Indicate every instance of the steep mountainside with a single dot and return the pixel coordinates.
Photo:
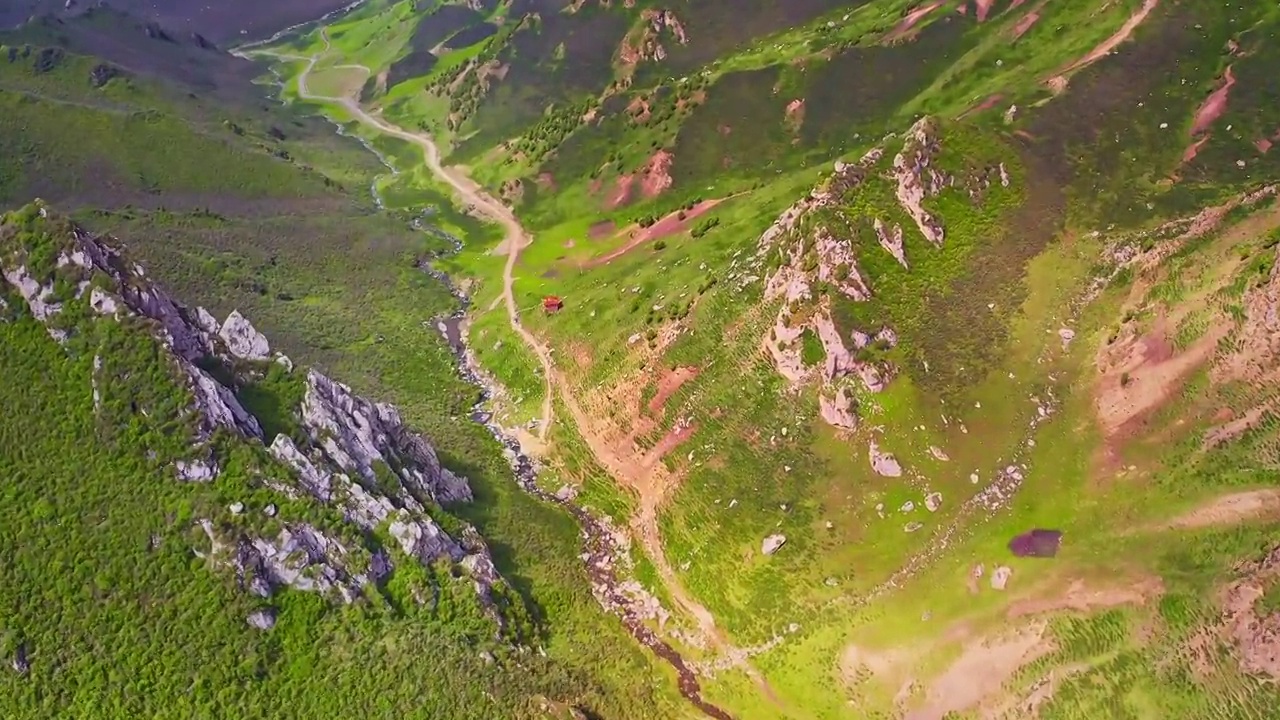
(917, 341)
(702, 358)
(231, 201)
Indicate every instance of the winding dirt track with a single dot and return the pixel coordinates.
(472, 194)
(645, 524)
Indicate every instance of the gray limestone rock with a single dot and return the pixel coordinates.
(243, 340)
(772, 543)
(838, 411)
(1000, 577)
(933, 501)
(264, 619)
(196, 470)
(884, 463)
(364, 439)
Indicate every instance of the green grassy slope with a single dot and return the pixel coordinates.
(1058, 168)
(239, 205)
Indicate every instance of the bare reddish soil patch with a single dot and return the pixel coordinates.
(1106, 46)
(1193, 149)
(795, 113)
(913, 17)
(1140, 374)
(981, 670)
(1255, 635)
(621, 194)
(1229, 510)
(672, 440)
(984, 8)
(1214, 105)
(639, 110)
(1025, 23)
(656, 174)
(986, 104)
(668, 384)
(546, 181)
(672, 224)
(602, 229)
(1264, 145)
(724, 129)
(1231, 427)
(1079, 597)
(595, 186)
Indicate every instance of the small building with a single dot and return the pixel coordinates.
(552, 304)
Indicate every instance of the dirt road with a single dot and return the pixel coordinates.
(473, 195)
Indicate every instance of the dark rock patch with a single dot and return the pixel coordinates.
(104, 73)
(48, 59)
(1036, 543)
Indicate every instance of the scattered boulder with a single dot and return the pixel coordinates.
(243, 340)
(264, 619)
(270, 510)
(103, 73)
(236, 508)
(912, 526)
(20, 663)
(155, 32)
(885, 464)
(202, 42)
(933, 501)
(772, 543)
(838, 412)
(1067, 335)
(1000, 577)
(48, 59)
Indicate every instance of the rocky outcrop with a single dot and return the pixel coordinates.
(362, 437)
(891, 241)
(813, 255)
(810, 260)
(838, 411)
(772, 544)
(883, 463)
(242, 339)
(348, 452)
(917, 178)
(644, 43)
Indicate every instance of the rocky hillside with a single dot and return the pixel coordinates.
(342, 452)
(288, 482)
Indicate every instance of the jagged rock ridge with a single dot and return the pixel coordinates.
(351, 453)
